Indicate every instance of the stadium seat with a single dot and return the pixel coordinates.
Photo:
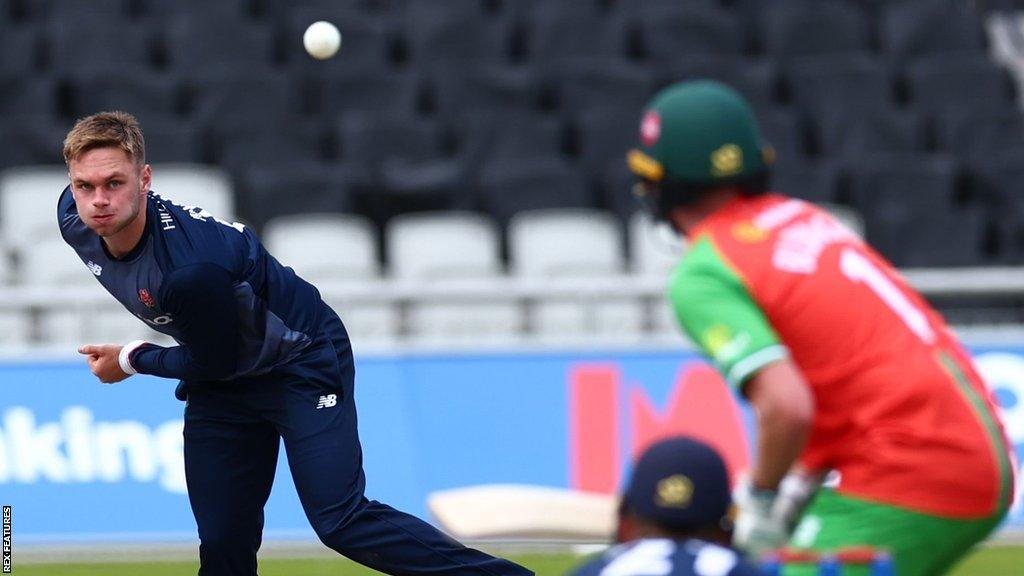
(28, 199)
(212, 43)
(7, 264)
(51, 262)
(842, 81)
(368, 321)
(235, 97)
(451, 248)
(952, 84)
(334, 251)
(595, 83)
(27, 96)
(616, 189)
(454, 90)
(670, 31)
(143, 93)
(20, 45)
(173, 140)
(524, 9)
(756, 79)
(915, 28)
(895, 192)
(378, 91)
(371, 138)
(221, 9)
(785, 132)
(1004, 5)
(453, 32)
(584, 244)
(512, 186)
(308, 187)
(15, 328)
(289, 139)
(111, 42)
(997, 180)
(510, 136)
(205, 187)
(813, 27)
(656, 250)
(443, 246)
(944, 238)
(555, 31)
(850, 133)
(603, 135)
(406, 162)
(982, 132)
(914, 180)
(277, 10)
(324, 247)
(72, 9)
(27, 140)
(406, 185)
(816, 182)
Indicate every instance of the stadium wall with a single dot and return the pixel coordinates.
(83, 461)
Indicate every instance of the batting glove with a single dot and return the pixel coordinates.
(757, 530)
(795, 493)
(766, 518)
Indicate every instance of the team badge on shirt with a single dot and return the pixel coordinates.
(146, 298)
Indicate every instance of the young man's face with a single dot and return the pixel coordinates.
(109, 189)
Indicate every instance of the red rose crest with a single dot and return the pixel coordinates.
(146, 299)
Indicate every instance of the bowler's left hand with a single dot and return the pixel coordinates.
(103, 362)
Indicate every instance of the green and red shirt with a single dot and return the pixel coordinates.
(900, 410)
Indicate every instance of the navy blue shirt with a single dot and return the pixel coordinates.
(233, 309)
(664, 557)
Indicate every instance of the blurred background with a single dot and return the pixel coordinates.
(453, 181)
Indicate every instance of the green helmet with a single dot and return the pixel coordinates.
(694, 136)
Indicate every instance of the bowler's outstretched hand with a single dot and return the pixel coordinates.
(103, 361)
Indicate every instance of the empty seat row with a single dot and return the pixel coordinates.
(904, 197)
(333, 249)
(936, 86)
(840, 113)
(547, 30)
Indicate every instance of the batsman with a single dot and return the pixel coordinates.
(874, 427)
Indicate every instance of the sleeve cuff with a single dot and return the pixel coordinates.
(124, 357)
(745, 368)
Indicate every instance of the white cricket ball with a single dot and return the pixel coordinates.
(321, 40)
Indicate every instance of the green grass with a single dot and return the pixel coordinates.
(984, 562)
(542, 564)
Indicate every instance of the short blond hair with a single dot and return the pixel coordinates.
(106, 130)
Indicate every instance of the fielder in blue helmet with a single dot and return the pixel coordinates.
(675, 517)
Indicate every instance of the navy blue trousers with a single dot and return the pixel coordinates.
(232, 434)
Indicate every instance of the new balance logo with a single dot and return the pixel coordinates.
(95, 268)
(328, 401)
